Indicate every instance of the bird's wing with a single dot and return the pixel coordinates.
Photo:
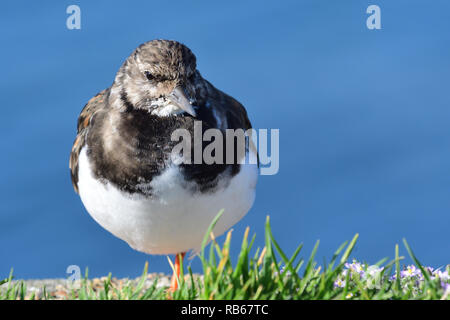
(84, 121)
(237, 115)
(227, 109)
(237, 118)
(231, 112)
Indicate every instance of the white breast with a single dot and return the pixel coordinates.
(173, 221)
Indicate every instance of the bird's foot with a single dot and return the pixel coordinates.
(176, 272)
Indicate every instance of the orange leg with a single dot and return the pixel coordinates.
(176, 272)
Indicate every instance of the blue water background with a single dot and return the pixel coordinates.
(364, 119)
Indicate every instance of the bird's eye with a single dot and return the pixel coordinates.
(149, 75)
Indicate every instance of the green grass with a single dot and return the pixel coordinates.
(269, 273)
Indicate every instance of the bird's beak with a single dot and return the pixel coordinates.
(178, 97)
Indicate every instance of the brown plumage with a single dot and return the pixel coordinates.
(96, 103)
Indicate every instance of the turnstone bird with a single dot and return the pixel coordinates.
(121, 163)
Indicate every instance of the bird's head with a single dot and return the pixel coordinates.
(159, 76)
